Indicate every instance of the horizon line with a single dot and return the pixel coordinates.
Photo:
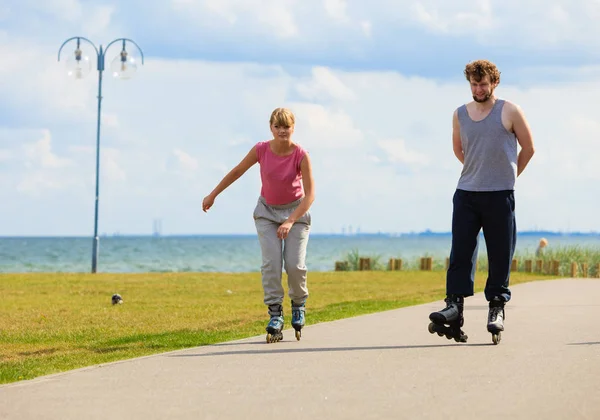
(354, 234)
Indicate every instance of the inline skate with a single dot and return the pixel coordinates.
(275, 325)
(448, 321)
(298, 319)
(496, 317)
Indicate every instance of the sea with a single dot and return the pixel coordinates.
(235, 253)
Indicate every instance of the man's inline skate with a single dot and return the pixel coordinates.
(275, 325)
(448, 321)
(298, 319)
(496, 317)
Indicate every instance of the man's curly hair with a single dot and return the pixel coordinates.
(478, 69)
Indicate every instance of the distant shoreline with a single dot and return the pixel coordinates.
(426, 233)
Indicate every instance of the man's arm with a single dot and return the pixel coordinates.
(524, 137)
(456, 141)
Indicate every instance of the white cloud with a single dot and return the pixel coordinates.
(302, 31)
(271, 17)
(36, 183)
(560, 23)
(4, 12)
(309, 24)
(325, 128)
(369, 154)
(110, 120)
(5, 155)
(38, 78)
(277, 15)
(110, 165)
(324, 85)
(185, 162)
(93, 18)
(221, 8)
(32, 167)
(397, 152)
(69, 10)
(475, 16)
(379, 140)
(100, 18)
(40, 155)
(336, 9)
(367, 28)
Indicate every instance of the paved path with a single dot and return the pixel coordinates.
(379, 366)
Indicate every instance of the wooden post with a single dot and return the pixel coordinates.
(528, 266)
(447, 263)
(573, 269)
(430, 263)
(515, 265)
(341, 266)
(538, 266)
(422, 263)
(395, 264)
(555, 267)
(584, 270)
(364, 264)
(597, 270)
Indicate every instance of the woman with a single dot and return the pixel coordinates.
(281, 217)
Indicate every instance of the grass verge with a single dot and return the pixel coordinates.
(51, 323)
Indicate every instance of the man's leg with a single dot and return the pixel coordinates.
(466, 224)
(500, 232)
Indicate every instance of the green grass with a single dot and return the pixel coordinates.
(51, 323)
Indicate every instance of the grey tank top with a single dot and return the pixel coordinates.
(490, 152)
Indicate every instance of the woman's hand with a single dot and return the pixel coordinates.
(284, 229)
(207, 202)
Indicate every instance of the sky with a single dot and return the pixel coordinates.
(373, 86)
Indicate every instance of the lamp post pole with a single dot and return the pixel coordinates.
(123, 67)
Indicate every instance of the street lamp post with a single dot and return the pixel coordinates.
(123, 66)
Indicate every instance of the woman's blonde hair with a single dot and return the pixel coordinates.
(282, 116)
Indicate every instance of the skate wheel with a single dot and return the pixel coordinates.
(431, 328)
(496, 338)
(274, 338)
(449, 337)
(298, 334)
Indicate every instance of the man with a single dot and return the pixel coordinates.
(485, 133)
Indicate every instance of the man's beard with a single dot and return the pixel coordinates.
(485, 98)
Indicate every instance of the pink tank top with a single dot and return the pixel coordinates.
(281, 175)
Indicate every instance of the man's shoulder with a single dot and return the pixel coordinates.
(511, 106)
(458, 108)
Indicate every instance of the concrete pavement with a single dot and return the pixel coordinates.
(378, 366)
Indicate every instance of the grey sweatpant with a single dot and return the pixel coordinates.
(289, 253)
